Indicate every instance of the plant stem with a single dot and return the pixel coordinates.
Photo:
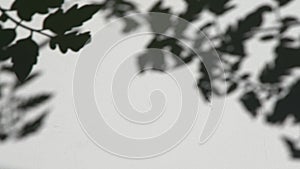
(22, 25)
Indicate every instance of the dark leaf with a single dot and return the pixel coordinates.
(267, 37)
(73, 41)
(291, 145)
(251, 102)
(61, 22)
(7, 69)
(27, 8)
(3, 136)
(286, 59)
(24, 55)
(235, 66)
(193, 9)
(286, 41)
(283, 29)
(3, 17)
(157, 7)
(287, 107)
(288, 20)
(32, 126)
(33, 102)
(232, 87)
(245, 76)
(26, 81)
(7, 37)
(204, 84)
(283, 2)
(236, 35)
(208, 25)
(219, 7)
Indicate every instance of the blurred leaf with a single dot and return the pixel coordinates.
(26, 81)
(157, 7)
(236, 35)
(208, 25)
(33, 102)
(286, 41)
(286, 59)
(27, 8)
(287, 106)
(24, 55)
(294, 151)
(251, 102)
(204, 83)
(267, 37)
(152, 59)
(32, 126)
(119, 8)
(130, 25)
(61, 22)
(245, 76)
(283, 2)
(193, 9)
(219, 7)
(73, 41)
(232, 87)
(289, 19)
(3, 136)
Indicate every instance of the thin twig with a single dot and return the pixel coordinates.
(22, 25)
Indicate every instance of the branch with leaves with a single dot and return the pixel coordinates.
(58, 26)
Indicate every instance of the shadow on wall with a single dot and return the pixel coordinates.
(230, 43)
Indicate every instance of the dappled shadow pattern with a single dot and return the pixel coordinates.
(61, 29)
(20, 116)
(231, 44)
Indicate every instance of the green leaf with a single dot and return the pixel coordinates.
(27, 8)
(71, 41)
(61, 22)
(24, 55)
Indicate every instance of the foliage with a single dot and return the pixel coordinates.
(20, 116)
(24, 52)
(61, 28)
(231, 43)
